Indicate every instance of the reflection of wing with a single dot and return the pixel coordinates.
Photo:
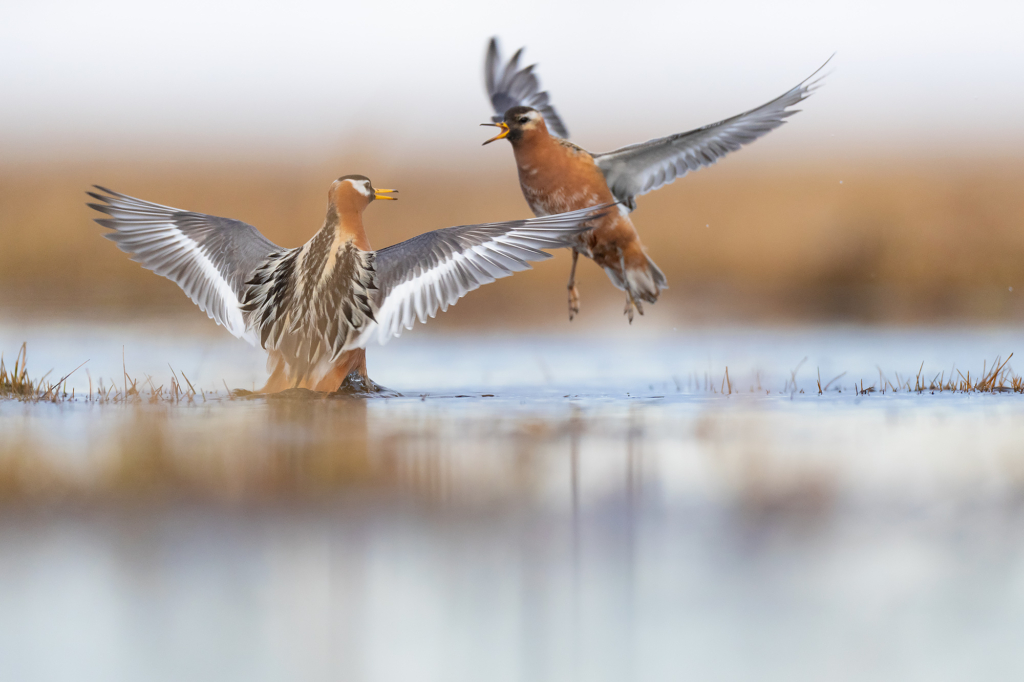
(436, 269)
(509, 86)
(641, 168)
(210, 258)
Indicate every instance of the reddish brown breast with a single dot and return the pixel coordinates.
(557, 176)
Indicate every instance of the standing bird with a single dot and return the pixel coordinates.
(557, 175)
(315, 308)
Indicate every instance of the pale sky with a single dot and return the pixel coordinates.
(302, 77)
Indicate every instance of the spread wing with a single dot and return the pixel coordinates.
(210, 258)
(509, 86)
(641, 168)
(434, 270)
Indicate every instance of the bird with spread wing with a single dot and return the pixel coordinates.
(556, 175)
(315, 308)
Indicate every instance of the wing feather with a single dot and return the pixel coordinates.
(210, 258)
(509, 86)
(434, 270)
(641, 168)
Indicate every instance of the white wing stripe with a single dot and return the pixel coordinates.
(164, 240)
(422, 295)
(422, 283)
(481, 260)
(232, 313)
(395, 314)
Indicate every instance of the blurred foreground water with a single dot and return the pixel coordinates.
(533, 508)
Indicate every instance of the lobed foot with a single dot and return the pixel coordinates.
(632, 303)
(358, 386)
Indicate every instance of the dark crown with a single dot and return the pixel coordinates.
(515, 112)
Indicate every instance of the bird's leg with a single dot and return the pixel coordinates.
(631, 300)
(574, 296)
(357, 382)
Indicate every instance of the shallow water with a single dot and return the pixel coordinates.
(628, 360)
(605, 513)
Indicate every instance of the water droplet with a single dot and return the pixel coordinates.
(1011, 288)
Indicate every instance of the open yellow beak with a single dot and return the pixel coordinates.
(504, 131)
(382, 194)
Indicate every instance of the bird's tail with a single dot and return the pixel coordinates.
(646, 281)
(641, 283)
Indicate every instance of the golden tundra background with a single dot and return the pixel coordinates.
(894, 196)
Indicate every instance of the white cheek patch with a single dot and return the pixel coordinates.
(360, 186)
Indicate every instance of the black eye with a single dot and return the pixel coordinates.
(524, 119)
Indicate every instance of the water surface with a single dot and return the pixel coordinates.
(546, 507)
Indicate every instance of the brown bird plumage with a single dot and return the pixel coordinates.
(556, 175)
(316, 307)
(310, 303)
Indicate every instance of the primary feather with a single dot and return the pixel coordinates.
(210, 258)
(433, 270)
(319, 300)
(641, 168)
(509, 86)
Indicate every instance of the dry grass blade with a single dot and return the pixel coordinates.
(792, 374)
(55, 388)
(992, 381)
(17, 384)
(833, 381)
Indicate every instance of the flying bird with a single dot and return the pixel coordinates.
(316, 307)
(556, 175)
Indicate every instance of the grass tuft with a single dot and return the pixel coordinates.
(17, 384)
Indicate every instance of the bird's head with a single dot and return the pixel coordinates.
(355, 192)
(520, 123)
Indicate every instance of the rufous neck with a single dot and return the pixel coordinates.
(531, 143)
(345, 219)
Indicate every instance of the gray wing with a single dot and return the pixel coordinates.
(434, 270)
(210, 258)
(509, 86)
(641, 168)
